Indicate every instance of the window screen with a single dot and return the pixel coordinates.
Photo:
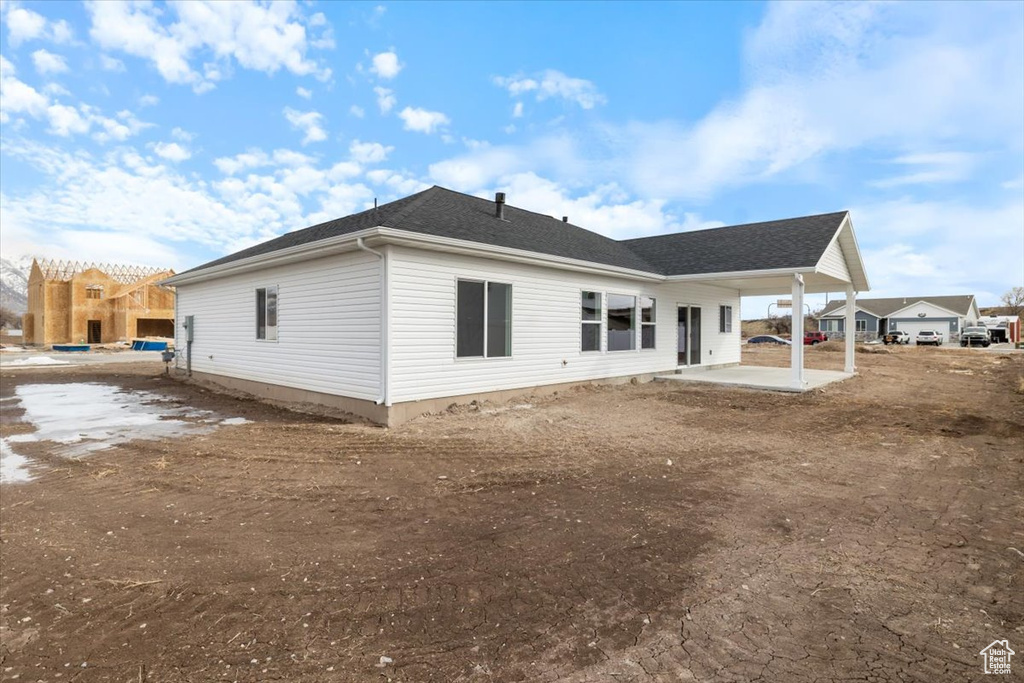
(470, 319)
(590, 321)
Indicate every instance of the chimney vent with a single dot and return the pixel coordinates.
(565, 219)
(499, 204)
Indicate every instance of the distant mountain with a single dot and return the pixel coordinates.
(14, 283)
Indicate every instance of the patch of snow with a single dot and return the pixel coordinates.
(35, 360)
(86, 417)
(236, 421)
(13, 467)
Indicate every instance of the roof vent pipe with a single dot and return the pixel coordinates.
(565, 219)
(499, 205)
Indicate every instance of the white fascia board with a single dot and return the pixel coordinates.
(841, 313)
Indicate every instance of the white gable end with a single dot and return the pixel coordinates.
(924, 310)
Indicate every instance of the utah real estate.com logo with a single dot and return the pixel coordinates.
(997, 657)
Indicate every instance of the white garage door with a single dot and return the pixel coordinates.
(915, 327)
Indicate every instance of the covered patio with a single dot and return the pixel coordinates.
(819, 265)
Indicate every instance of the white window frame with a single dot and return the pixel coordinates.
(724, 319)
(641, 324)
(269, 331)
(599, 322)
(860, 325)
(511, 322)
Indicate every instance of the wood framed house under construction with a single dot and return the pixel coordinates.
(87, 303)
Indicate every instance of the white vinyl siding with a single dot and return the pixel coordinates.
(833, 262)
(546, 326)
(328, 326)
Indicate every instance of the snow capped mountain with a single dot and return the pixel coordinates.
(14, 283)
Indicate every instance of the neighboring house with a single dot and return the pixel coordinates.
(70, 302)
(443, 297)
(947, 315)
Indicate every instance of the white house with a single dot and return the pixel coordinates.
(442, 297)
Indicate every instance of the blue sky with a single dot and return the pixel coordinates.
(170, 134)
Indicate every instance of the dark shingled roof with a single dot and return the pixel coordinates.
(790, 243)
(793, 243)
(961, 303)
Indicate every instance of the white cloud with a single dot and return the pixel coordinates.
(149, 101)
(47, 63)
(17, 97)
(940, 167)
(310, 123)
(517, 110)
(357, 111)
(23, 25)
(172, 151)
(120, 128)
(395, 184)
(553, 83)
(422, 120)
(260, 37)
(369, 152)
(109, 63)
(386, 65)
(386, 99)
(253, 158)
(65, 120)
(304, 92)
(182, 134)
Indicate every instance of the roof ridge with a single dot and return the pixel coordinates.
(415, 201)
(739, 225)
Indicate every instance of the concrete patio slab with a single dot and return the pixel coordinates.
(756, 377)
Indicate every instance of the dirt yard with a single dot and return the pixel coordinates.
(870, 531)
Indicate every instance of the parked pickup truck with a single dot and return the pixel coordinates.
(896, 337)
(975, 336)
(813, 338)
(928, 337)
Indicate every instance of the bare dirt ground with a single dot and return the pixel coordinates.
(870, 531)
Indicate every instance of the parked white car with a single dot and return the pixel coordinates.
(928, 337)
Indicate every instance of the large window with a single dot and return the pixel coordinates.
(590, 321)
(621, 322)
(829, 325)
(647, 320)
(266, 313)
(862, 325)
(483, 320)
(725, 318)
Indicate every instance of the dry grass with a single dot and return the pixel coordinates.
(839, 347)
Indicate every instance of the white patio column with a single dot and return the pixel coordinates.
(797, 350)
(851, 328)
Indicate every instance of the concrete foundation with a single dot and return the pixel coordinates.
(388, 416)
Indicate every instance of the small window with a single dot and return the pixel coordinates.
(862, 325)
(94, 291)
(590, 321)
(266, 313)
(647, 321)
(483, 326)
(725, 318)
(621, 322)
